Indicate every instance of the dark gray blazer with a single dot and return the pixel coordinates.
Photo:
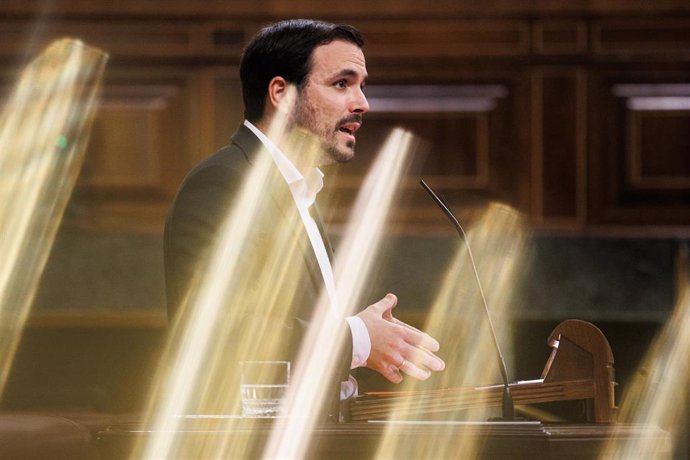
(204, 198)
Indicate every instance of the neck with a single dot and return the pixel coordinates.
(301, 147)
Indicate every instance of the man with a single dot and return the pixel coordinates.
(326, 64)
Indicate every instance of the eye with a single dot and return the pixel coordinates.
(342, 84)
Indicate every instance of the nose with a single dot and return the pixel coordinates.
(359, 102)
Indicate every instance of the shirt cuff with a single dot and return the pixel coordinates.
(361, 343)
(348, 388)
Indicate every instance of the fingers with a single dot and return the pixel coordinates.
(391, 372)
(420, 362)
(419, 338)
(415, 362)
(400, 323)
(418, 365)
(412, 370)
(424, 359)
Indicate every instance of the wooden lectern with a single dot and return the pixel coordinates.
(580, 368)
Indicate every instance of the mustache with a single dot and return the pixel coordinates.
(354, 118)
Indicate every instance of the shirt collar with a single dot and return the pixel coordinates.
(304, 189)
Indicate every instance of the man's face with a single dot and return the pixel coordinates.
(331, 103)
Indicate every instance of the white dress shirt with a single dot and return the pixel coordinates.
(304, 190)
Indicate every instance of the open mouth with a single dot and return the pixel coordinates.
(349, 128)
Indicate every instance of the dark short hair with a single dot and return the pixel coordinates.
(285, 49)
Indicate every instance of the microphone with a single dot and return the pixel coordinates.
(508, 406)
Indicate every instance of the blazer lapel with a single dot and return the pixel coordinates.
(281, 197)
(316, 215)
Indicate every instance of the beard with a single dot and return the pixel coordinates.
(309, 117)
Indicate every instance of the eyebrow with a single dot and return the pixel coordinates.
(351, 73)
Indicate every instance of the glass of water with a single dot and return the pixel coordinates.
(262, 387)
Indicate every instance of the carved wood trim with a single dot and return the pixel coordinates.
(347, 11)
(658, 36)
(118, 38)
(554, 36)
(446, 38)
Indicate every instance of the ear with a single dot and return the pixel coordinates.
(277, 91)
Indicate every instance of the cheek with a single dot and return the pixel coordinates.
(324, 109)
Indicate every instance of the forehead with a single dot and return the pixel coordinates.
(337, 57)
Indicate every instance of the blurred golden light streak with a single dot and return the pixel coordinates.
(458, 321)
(193, 341)
(197, 346)
(44, 130)
(233, 312)
(657, 394)
(315, 366)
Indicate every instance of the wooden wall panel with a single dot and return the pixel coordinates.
(527, 131)
(640, 151)
(119, 38)
(560, 36)
(221, 108)
(446, 38)
(140, 149)
(353, 8)
(559, 146)
(464, 133)
(453, 119)
(125, 148)
(658, 149)
(538, 117)
(226, 39)
(657, 36)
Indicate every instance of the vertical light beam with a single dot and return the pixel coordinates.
(457, 319)
(315, 366)
(229, 315)
(44, 130)
(657, 394)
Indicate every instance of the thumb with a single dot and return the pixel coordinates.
(386, 305)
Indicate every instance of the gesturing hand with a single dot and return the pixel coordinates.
(397, 347)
